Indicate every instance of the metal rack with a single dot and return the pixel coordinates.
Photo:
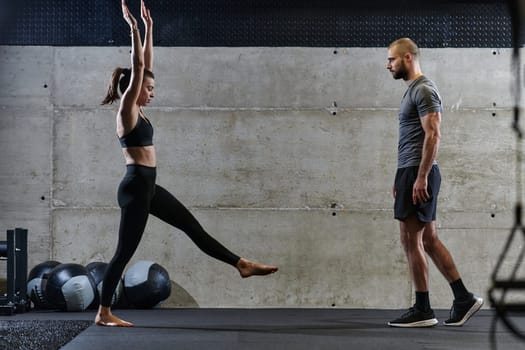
(503, 284)
(14, 251)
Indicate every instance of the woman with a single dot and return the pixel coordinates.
(138, 195)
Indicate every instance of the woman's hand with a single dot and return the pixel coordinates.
(146, 16)
(128, 16)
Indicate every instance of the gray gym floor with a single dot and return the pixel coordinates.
(275, 329)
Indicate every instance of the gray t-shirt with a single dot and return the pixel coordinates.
(422, 97)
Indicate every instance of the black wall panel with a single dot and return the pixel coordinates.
(314, 23)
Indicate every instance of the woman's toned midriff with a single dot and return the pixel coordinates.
(140, 156)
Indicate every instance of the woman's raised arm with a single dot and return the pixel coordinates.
(130, 96)
(148, 37)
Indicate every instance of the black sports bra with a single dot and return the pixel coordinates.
(141, 135)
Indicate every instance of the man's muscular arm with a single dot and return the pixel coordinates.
(431, 125)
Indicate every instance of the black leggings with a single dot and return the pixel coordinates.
(138, 196)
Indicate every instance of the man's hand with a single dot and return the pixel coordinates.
(419, 191)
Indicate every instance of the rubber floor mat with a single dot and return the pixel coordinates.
(43, 335)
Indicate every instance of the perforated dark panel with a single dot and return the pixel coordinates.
(374, 23)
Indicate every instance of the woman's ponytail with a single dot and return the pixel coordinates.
(117, 80)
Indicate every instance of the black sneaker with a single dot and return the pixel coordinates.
(415, 318)
(463, 310)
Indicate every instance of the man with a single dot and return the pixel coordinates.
(416, 188)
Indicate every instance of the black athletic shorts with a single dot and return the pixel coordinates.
(403, 204)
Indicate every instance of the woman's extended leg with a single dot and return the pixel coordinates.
(167, 208)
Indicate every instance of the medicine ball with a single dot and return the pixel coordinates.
(97, 270)
(70, 287)
(146, 284)
(36, 284)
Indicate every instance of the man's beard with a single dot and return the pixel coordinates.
(401, 73)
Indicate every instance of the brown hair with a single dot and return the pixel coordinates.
(406, 45)
(120, 81)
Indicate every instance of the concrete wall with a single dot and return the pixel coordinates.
(286, 155)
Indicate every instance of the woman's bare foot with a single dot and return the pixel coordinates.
(249, 268)
(106, 318)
